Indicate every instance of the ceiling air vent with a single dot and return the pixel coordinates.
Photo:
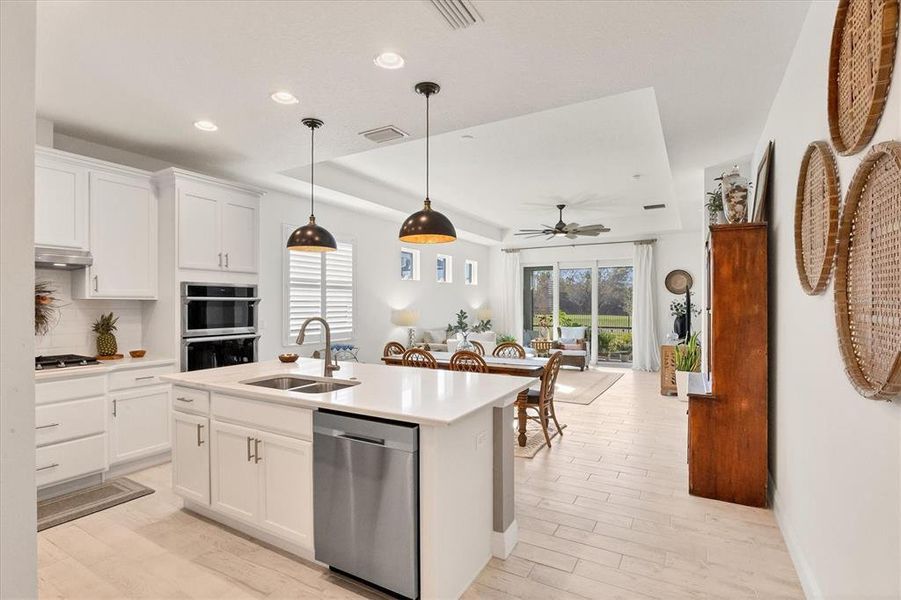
(654, 206)
(380, 135)
(459, 14)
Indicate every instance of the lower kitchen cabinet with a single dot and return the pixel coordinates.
(139, 423)
(263, 478)
(286, 490)
(233, 474)
(191, 456)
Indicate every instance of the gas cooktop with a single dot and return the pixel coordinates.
(59, 361)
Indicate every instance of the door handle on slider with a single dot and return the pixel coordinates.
(256, 451)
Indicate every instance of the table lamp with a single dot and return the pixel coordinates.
(406, 318)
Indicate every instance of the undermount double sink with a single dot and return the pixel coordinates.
(303, 385)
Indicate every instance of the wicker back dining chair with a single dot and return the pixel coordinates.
(541, 401)
(464, 360)
(509, 350)
(417, 357)
(393, 349)
(478, 348)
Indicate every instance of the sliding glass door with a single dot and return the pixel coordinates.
(575, 298)
(537, 301)
(614, 316)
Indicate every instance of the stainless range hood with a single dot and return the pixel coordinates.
(57, 258)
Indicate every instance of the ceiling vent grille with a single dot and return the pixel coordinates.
(458, 14)
(380, 135)
(654, 206)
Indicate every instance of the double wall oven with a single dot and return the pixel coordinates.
(218, 325)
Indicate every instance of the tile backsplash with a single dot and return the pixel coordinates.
(72, 333)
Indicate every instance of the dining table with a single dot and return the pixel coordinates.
(498, 365)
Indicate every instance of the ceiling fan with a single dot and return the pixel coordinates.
(570, 230)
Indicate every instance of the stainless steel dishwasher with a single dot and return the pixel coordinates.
(366, 499)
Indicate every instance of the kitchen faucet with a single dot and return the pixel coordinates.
(329, 365)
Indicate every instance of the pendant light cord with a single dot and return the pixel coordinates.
(312, 168)
(427, 146)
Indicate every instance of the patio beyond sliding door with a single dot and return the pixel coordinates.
(537, 301)
(614, 324)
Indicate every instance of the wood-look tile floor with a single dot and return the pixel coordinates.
(603, 514)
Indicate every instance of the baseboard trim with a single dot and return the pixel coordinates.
(138, 464)
(802, 567)
(502, 543)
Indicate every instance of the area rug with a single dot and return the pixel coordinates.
(583, 387)
(74, 505)
(534, 439)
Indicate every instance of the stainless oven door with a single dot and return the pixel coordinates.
(206, 316)
(218, 351)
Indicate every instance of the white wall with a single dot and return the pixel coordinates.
(379, 287)
(671, 251)
(835, 456)
(18, 553)
(72, 333)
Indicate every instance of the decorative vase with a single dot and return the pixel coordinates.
(465, 344)
(682, 385)
(679, 327)
(735, 196)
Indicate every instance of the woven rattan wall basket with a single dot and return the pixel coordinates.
(860, 70)
(868, 275)
(816, 217)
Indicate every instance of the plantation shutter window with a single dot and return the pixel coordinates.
(321, 284)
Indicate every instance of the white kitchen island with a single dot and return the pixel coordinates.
(243, 455)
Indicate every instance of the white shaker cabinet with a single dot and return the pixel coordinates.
(217, 222)
(191, 456)
(139, 423)
(233, 474)
(123, 238)
(286, 490)
(60, 201)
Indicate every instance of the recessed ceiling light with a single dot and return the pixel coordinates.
(389, 60)
(283, 97)
(206, 125)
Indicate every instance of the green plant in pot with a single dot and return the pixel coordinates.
(687, 359)
(104, 327)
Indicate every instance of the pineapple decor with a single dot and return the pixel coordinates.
(104, 327)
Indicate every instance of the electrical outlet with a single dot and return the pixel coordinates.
(481, 439)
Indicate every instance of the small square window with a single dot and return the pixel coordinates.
(444, 269)
(409, 264)
(471, 272)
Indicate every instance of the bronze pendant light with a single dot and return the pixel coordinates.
(427, 226)
(311, 237)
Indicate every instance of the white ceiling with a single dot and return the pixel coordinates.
(137, 74)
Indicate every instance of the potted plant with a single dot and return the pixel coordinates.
(461, 327)
(687, 358)
(104, 327)
(677, 310)
(714, 205)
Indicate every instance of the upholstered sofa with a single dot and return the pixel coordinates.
(572, 343)
(488, 339)
(434, 340)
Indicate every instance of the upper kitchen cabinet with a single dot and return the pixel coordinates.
(110, 210)
(217, 222)
(60, 201)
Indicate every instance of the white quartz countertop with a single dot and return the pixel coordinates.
(105, 366)
(426, 396)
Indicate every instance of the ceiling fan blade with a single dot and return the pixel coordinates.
(572, 225)
(572, 236)
(595, 226)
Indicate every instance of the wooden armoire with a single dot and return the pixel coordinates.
(727, 419)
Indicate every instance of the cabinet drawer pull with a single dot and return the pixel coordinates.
(95, 283)
(220, 259)
(144, 377)
(249, 451)
(199, 439)
(256, 451)
(114, 408)
(183, 399)
(226, 260)
(47, 467)
(48, 426)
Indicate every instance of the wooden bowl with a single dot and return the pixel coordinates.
(287, 358)
(137, 353)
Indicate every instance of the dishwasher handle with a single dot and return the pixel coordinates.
(360, 438)
(388, 443)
